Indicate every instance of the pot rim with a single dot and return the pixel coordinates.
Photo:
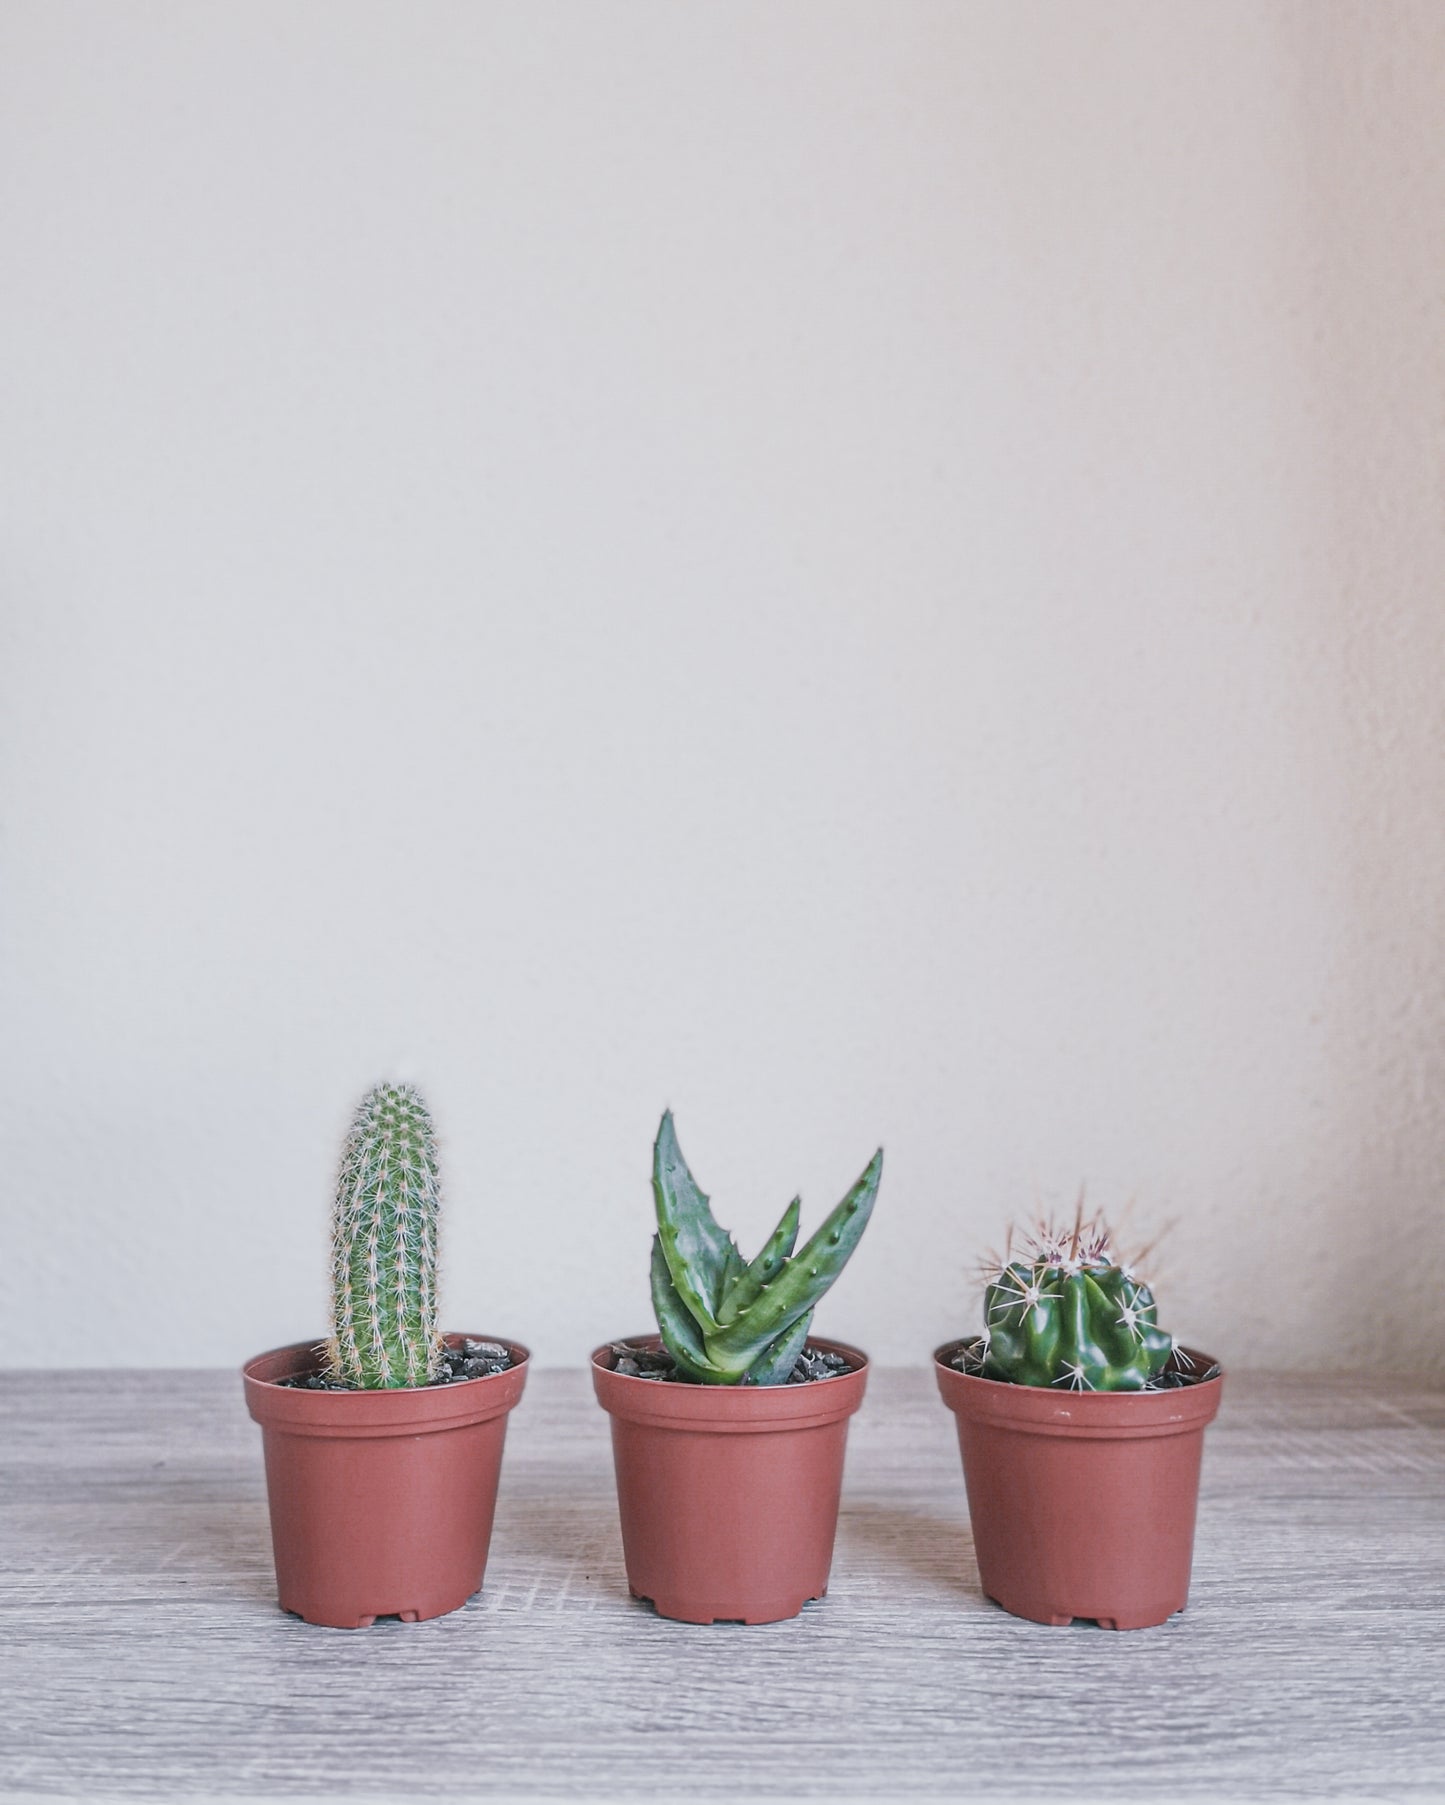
(1045, 1410)
(404, 1409)
(729, 1409)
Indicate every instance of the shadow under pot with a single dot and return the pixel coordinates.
(381, 1501)
(728, 1494)
(1082, 1503)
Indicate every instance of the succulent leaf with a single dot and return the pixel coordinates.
(700, 1256)
(680, 1334)
(803, 1279)
(779, 1357)
(750, 1280)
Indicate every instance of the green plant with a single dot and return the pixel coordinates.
(384, 1246)
(1073, 1315)
(730, 1321)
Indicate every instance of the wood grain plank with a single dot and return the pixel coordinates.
(142, 1654)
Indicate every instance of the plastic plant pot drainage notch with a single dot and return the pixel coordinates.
(381, 1502)
(728, 1494)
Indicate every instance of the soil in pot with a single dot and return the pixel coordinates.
(642, 1362)
(728, 1494)
(465, 1357)
(381, 1501)
(1083, 1502)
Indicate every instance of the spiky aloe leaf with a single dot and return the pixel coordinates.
(802, 1281)
(680, 1334)
(701, 1256)
(779, 1357)
(744, 1288)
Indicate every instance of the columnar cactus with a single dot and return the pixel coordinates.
(1070, 1314)
(730, 1321)
(384, 1246)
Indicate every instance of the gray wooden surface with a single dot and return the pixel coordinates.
(142, 1654)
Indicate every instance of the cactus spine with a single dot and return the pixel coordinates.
(730, 1321)
(384, 1246)
(1070, 1314)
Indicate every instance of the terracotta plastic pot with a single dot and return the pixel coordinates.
(728, 1494)
(381, 1501)
(1082, 1503)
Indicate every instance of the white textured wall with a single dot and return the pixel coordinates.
(870, 571)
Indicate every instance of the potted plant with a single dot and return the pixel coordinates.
(383, 1444)
(1081, 1423)
(729, 1424)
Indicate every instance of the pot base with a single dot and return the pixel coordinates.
(329, 1616)
(1150, 1618)
(690, 1611)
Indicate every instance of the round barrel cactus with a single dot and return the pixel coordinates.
(1071, 1315)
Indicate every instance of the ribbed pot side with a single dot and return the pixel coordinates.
(1082, 1503)
(381, 1501)
(728, 1495)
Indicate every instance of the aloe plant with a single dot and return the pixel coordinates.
(726, 1320)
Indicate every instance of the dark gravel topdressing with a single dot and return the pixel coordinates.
(470, 1359)
(1179, 1371)
(657, 1363)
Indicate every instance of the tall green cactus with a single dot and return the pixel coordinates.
(730, 1321)
(1071, 1315)
(384, 1246)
